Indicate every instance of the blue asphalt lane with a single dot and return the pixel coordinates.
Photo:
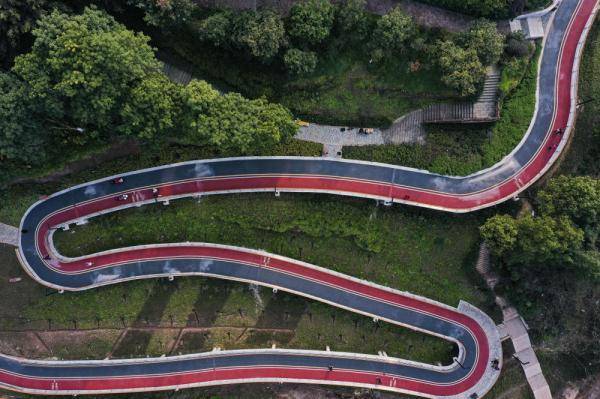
(287, 282)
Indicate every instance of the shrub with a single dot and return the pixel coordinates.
(392, 32)
(299, 62)
(216, 29)
(259, 33)
(311, 21)
(517, 45)
(483, 37)
(462, 69)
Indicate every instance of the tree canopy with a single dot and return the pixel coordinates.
(392, 32)
(164, 13)
(311, 21)
(461, 68)
(300, 62)
(528, 240)
(234, 123)
(261, 34)
(483, 37)
(83, 67)
(152, 109)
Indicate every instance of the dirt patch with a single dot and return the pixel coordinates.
(117, 150)
(24, 344)
(134, 344)
(94, 344)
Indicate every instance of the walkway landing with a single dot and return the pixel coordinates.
(326, 134)
(9, 235)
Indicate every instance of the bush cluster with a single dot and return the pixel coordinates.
(88, 79)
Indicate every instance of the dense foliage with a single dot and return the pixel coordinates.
(311, 21)
(299, 62)
(483, 37)
(550, 264)
(88, 79)
(298, 44)
(81, 69)
(461, 67)
(164, 13)
(258, 34)
(484, 8)
(392, 33)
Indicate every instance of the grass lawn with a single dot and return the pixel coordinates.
(463, 149)
(412, 251)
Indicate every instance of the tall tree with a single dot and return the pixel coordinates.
(152, 109)
(82, 68)
(392, 32)
(310, 21)
(483, 37)
(577, 198)
(530, 241)
(351, 16)
(234, 123)
(261, 34)
(461, 68)
(216, 28)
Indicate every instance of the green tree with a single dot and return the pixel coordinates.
(299, 62)
(546, 240)
(392, 33)
(500, 234)
(17, 18)
(577, 198)
(461, 68)
(164, 13)
(483, 37)
(22, 137)
(152, 109)
(234, 123)
(261, 34)
(351, 16)
(311, 21)
(82, 68)
(532, 241)
(216, 28)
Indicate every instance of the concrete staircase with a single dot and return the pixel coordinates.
(485, 109)
(490, 86)
(448, 113)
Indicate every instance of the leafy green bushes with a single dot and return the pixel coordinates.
(310, 22)
(88, 80)
(550, 264)
(299, 62)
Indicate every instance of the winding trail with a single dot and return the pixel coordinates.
(470, 375)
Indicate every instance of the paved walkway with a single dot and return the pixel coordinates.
(9, 234)
(327, 134)
(514, 328)
(409, 127)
